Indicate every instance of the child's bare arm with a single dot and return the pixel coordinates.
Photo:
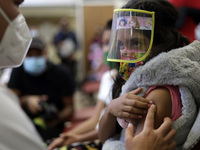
(128, 106)
(162, 99)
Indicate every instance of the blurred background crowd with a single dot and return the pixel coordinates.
(72, 33)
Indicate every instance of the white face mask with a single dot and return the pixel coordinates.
(15, 42)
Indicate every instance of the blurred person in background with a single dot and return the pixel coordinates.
(66, 44)
(189, 12)
(95, 56)
(97, 66)
(88, 130)
(45, 90)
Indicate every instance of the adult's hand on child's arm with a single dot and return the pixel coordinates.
(150, 138)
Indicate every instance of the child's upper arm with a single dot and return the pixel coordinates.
(162, 99)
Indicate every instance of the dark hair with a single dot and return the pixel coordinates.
(166, 35)
(108, 25)
(37, 43)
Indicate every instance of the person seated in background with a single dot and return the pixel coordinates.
(97, 66)
(87, 130)
(45, 90)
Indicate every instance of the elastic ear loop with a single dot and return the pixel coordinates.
(4, 15)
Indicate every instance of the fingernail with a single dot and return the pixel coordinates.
(150, 102)
(153, 106)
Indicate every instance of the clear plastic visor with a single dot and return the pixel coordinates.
(132, 35)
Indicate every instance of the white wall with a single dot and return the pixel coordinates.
(46, 3)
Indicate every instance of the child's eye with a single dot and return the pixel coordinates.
(135, 44)
(120, 44)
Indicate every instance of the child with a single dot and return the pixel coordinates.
(162, 64)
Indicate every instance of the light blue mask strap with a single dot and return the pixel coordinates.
(4, 15)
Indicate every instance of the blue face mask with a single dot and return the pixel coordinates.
(35, 65)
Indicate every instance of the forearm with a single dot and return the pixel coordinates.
(65, 113)
(67, 110)
(62, 116)
(86, 126)
(92, 135)
(107, 126)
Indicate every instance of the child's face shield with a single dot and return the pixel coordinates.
(132, 35)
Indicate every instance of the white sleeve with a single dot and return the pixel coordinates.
(105, 89)
(16, 129)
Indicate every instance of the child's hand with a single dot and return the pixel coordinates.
(129, 106)
(58, 142)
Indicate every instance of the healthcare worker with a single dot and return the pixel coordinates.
(16, 130)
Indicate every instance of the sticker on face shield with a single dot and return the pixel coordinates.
(144, 23)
